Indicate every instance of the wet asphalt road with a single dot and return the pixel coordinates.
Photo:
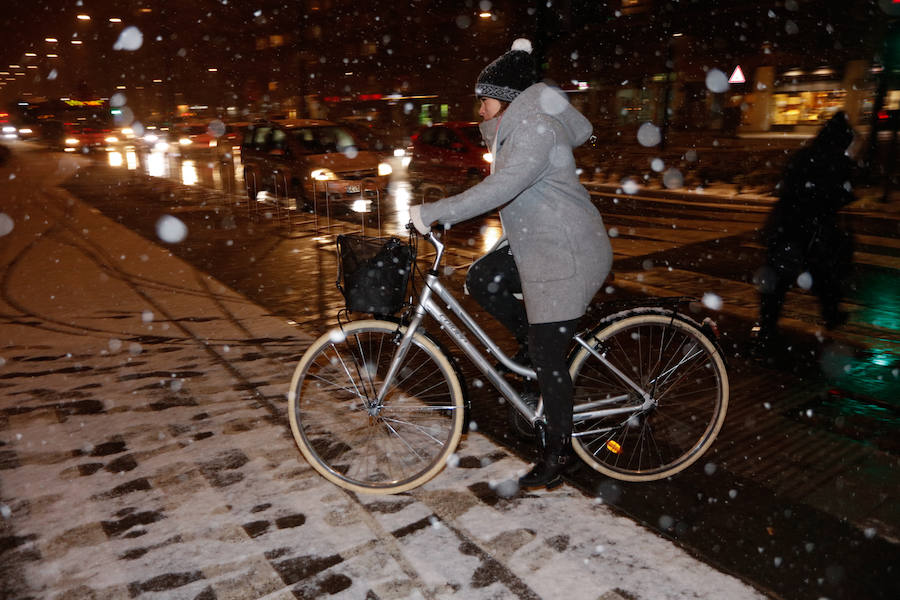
(778, 501)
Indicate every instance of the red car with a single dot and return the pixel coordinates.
(87, 136)
(452, 155)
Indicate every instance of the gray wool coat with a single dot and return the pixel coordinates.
(556, 235)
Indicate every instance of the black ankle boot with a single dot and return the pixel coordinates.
(557, 459)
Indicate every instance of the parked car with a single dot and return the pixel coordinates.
(194, 138)
(13, 129)
(452, 155)
(8, 130)
(228, 145)
(293, 158)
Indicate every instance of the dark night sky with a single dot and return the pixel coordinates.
(824, 28)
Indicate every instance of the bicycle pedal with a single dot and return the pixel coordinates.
(554, 483)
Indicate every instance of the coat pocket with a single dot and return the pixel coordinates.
(545, 256)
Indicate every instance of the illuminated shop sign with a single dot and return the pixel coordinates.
(79, 103)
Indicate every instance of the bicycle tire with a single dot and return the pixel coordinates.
(687, 377)
(396, 448)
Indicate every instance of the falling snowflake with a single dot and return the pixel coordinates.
(648, 135)
(630, 186)
(131, 38)
(673, 179)
(171, 229)
(712, 301)
(716, 81)
(6, 224)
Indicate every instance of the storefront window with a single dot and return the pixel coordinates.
(634, 105)
(806, 108)
(892, 100)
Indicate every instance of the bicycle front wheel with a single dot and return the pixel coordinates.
(354, 441)
(682, 370)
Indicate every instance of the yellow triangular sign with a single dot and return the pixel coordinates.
(737, 76)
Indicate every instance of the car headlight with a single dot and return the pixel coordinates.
(111, 139)
(384, 169)
(71, 141)
(488, 157)
(185, 141)
(25, 130)
(9, 129)
(398, 152)
(151, 138)
(323, 175)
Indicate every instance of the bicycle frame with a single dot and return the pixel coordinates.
(427, 304)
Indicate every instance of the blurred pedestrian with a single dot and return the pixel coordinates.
(805, 243)
(554, 252)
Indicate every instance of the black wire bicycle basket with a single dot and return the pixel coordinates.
(373, 272)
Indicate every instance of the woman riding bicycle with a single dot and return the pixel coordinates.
(554, 251)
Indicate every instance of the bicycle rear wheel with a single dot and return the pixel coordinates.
(357, 445)
(683, 372)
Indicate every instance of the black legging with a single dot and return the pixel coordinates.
(492, 281)
(548, 344)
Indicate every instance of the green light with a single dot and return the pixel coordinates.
(883, 360)
(116, 111)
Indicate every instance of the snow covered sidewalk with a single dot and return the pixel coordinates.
(145, 451)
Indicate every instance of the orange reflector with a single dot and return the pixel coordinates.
(613, 447)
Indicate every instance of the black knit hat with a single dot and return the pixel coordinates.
(509, 75)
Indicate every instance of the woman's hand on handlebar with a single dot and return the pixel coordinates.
(415, 219)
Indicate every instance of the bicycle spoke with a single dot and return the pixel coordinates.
(399, 437)
(402, 443)
(347, 371)
(672, 362)
(418, 428)
(416, 408)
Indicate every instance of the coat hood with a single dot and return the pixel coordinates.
(835, 136)
(541, 99)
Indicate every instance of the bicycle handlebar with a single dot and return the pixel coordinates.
(431, 239)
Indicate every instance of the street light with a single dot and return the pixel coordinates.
(83, 17)
(115, 20)
(52, 40)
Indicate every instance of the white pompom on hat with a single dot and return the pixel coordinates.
(509, 75)
(523, 44)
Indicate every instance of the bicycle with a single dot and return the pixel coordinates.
(378, 406)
